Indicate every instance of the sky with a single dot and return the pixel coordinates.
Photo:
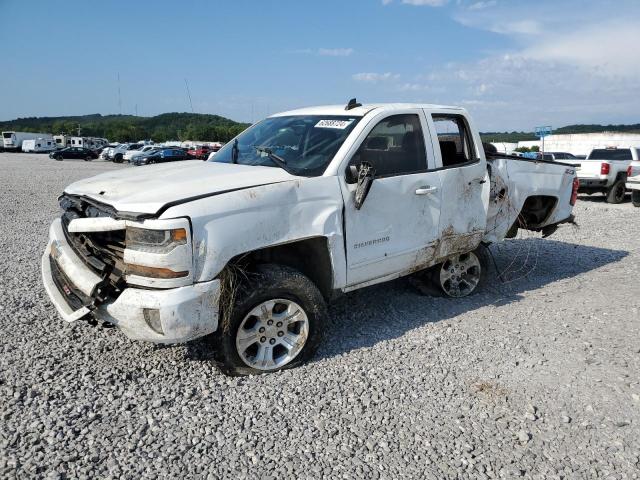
(514, 64)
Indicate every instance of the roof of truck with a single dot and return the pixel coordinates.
(362, 110)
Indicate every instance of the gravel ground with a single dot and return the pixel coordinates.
(537, 377)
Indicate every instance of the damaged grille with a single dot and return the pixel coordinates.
(74, 296)
(102, 252)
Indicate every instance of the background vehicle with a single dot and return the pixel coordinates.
(558, 156)
(633, 182)
(605, 171)
(74, 152)
(92, 143)
(13, 140)
(370, 193)
(39, 145)
(131, 154)
(62, 141)
(162, 155)
(117, 153)
(107, 151)
(200, 151)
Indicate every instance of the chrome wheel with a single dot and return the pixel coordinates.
(460, 274)
(272, 334)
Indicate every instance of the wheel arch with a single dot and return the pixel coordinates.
(536, 210)
(310, 256)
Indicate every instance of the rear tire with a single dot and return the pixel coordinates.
(88, 158)
(635, 198)
(616, 193)
(247, 344)
(462, 274)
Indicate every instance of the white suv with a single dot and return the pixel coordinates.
(117, 154)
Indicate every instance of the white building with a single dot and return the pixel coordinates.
(583, 143)
(505, 147)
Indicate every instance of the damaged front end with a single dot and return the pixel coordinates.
(134, 272)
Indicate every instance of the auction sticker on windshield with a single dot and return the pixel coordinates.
(339, 124)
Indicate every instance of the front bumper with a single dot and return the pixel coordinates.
(162, 316)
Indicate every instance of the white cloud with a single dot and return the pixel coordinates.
(566, 62)
(482, 5)
(420, 3)
(335, 52)
(518, 27)
(609, 48)
(372, 77)
(413, 87)
(429, 3)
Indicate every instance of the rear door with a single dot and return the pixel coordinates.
(465, 183)
(396, 228)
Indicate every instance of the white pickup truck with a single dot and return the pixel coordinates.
(605, 171)
(299, 207)
(633, 181)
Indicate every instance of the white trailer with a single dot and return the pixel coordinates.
(62, 141)
(92, 143)
(13, 140)
(39, 145)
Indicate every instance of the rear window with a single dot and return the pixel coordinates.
(610, 154)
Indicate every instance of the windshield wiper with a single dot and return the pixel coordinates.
(277, 159)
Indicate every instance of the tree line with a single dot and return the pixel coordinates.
(127, 128)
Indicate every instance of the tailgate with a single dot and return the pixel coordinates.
(589, 168)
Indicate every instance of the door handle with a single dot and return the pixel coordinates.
(426, 190)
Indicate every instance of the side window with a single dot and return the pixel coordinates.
(454, 140)
(395, 146)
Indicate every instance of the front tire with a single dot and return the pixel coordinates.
(118, 158)
(635, 198)
(615, 194)
(277, 321)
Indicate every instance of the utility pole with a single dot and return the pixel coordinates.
(119, 96)
(189, 94)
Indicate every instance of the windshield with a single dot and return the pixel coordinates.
(7, 134)
(302, 144)
(610, 154)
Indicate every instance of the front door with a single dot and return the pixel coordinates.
(396, 228)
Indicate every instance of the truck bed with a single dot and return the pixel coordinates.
(533, 194)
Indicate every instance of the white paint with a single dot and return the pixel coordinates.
(633, 181)
(406, 223)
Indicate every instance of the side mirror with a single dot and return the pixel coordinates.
(366, 174)
(351, 175)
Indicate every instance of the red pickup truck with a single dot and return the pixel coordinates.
(200, 151)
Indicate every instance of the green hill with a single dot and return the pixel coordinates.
(200, 126)
(122, 128)
(522, 136)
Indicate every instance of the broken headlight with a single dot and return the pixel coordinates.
(155, 241)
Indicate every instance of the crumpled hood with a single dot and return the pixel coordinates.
(147, 189)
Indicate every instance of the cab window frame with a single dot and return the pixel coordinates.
(460, 120)
(425, 156)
